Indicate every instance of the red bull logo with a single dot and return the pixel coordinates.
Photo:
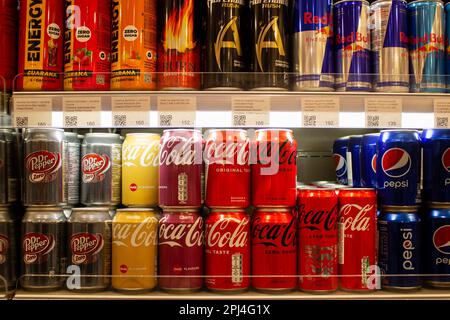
(310, 18)
(354, 40)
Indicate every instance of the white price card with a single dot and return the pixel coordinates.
(320, 112)
(441, 113)
(131, 111)
(175, 111)
(383, 112)
(32, 112)
(252, 111)
(82, 111)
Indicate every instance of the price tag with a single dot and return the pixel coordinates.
(320, 112)
(174, 111)
(32, 112)
(250, 111)
(383, 112)
(82, 111)
(441, 113)
(131, 111)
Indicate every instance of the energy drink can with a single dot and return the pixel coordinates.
(8, 44)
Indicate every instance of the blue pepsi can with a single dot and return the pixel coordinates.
(353, 65)
(447, 44)
(313, 45)
(426, 22)
(354, 161)
(389, 36)
(399, 250)
(340, 159)
(369, 160)
(398, 168)
(436, 165)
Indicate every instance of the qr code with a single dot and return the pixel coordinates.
(442, 122)
(373, 121)
(165, 120)
(239, 120)
(71, 121)
(21, 121)
(120, 120)
(310, 121)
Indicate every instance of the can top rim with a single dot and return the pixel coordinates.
(43, 129)
(439, 205)
(136, 210)
(227, 129)
(374, 134)
(91, 209)
(273, 129)
(73, 134)
(37, 208)
(415, 1)
(357, 189)
(179, 129)
(274, 209)
(102, 134)
(142, 134)
(399, 130)
(179, 210)
(362, 1)
(227, 210)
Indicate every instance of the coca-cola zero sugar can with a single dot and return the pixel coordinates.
(72, 160)
(8, 275)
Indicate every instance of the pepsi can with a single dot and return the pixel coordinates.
(354, 161)
(398, 168)
(340, 159)
(313, 57)
(389, 37)
(369, 160)
(399, 250)
(447, 44)
(353, 65)
(426, 51)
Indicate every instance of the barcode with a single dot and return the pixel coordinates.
(442, 122)
(120, 120)
(310, 121)
(21, 121)
(71, 121)
(239, 120)
(373, 121)
(147, 78)
(100, 79)
(165, 120)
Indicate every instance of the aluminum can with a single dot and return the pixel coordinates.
(43, 248)
(180, 250)
(101, 180)
(72, 160)
(9, 172)
(353, 67)
(274, 168)
(140, 163)
(89, 247)
(135, 250)
(227, 168)
(313, 58)
(8, 43)
(227, 250)
(318, 214)
(340, 159)
(181, 168)
(447, 44)
(398, 168)
(354, 161)
(369, 160)
(357, 245)
(40, 45)
(8, 251)
(44, 170)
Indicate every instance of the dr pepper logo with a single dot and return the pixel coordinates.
(4, 246)
(85, 245)
(36, 245)
(43, 165)
(94, 166)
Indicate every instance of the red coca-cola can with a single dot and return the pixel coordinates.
(227, 168)
(181, 240)
(318, 214)
(181, 168)
(357, 239)
(274, 250)
(227, 250)
(274, 168)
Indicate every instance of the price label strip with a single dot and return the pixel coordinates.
(250, 111)
(82, 111)
(383, 112)
(32, 112)
(131, 111)
(318, 112)
(174, 111)
(441, 113)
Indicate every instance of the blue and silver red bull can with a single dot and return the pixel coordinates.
(389, 36)
(369, 160)
(436, 165)
(447, 44)
(312, 44)
(436, 238)
(398, 168)
(353, 65)
(426, 22)
(340, 159)
(354, 161)
(399, 250)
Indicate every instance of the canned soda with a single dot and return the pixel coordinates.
(89, 248)
(8, 44)
(8, 251)
(133, 45)
(100, 169)
(353, 161)
(447, 44)
(9, 172)
(40, 45)
(369, 160)
(340, 159)
(72, 160)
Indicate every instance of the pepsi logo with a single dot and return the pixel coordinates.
(374, 163)
(446, 159)
(341, 165)
(441, 239)
(396, 162)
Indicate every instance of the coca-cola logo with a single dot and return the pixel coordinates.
(35, 245)
(141, 155)
(273, 151)
(228, 232)
(42, 165)
(136, 234)
(85, 245)
(4, 246)
(227, 152)
(267, 234)
(94, 166)
(178, 151)
(173, 234)
(316, 220)
(355, 217)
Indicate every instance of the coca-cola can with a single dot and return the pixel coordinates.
(227, 168)
(318, 214)
(274, 250)
(227, 250)
(43, 248)
(274, 168)
(89, 248)
(72, 160)
(357, 239)
(181, 244)
(8, 253)
(44, 170)
(181, 168)
(101, 174)
(9, 174)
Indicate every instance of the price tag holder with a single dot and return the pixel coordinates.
(250, 111)
(32, 112)
(383, 112)
(131, 111)
(441, 113)
(82, 111)
(319, 112)
(174, 111)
